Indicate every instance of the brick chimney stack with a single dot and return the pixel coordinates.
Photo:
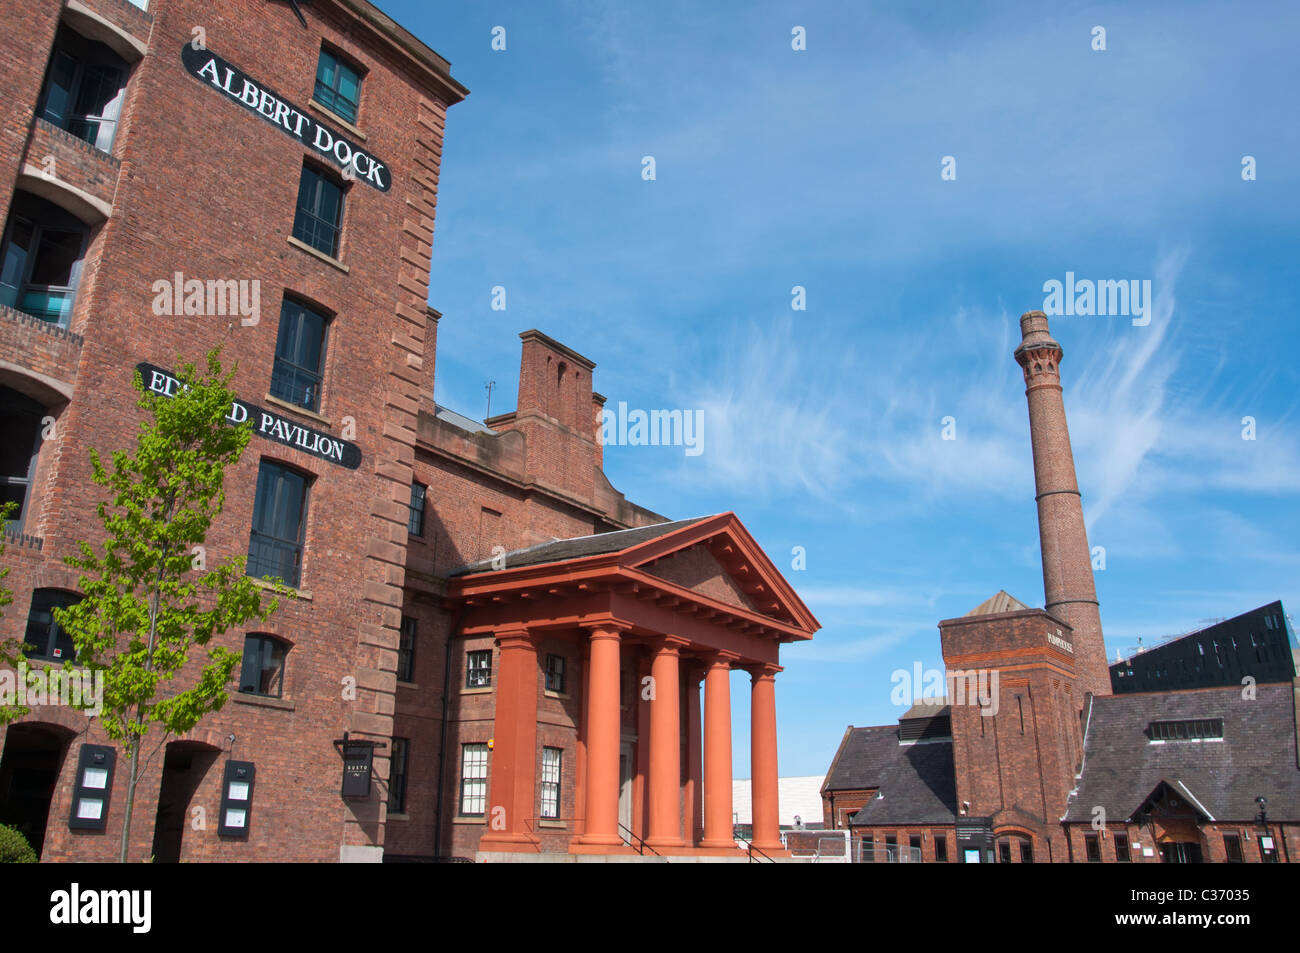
(555, 416)
(1069, 589)
(597, 411)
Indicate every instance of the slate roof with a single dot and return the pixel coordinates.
(460, 420)
(1256, 756)
(1000, 601)
(917, 780)
(561, 549)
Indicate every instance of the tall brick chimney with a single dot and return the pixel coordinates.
(1069, 590)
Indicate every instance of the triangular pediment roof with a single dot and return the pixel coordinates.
(711, 559)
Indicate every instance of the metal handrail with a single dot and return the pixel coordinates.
(641, 846)
(758, 850)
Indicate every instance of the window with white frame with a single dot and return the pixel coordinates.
(473, 780)
(552, 758)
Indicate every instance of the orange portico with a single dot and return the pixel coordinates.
(651, 613)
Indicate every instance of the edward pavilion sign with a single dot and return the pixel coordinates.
(266, 423)
(323, 140)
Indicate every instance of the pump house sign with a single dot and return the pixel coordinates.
(323, 140)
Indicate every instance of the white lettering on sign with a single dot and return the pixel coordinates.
(213, 71)
(1059, 642)
(268, 423)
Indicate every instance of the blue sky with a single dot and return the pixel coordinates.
(821, 168)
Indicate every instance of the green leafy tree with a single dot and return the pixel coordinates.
(150, 595)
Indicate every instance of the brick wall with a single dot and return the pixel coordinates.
(209, 190)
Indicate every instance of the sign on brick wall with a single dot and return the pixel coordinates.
(266, 423)
(212, 70)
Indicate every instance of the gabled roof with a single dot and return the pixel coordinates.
(1256, 756)
(1000, 601)
(632, 562)
(559, 550)
(917, 782)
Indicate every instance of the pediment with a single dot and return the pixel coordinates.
(699, 570)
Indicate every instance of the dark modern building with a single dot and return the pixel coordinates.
(1258, 644)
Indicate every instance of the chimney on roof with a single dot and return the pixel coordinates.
(598, 408)
(554, 382)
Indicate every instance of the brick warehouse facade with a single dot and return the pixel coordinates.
(1031, 758)
(212, 142)
(161, 157)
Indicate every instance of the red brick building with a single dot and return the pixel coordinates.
(177, 174)
(1030, 758)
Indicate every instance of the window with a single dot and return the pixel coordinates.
(397, 777)
(262, 672)
(478, 669)
(406, 651)
(1026, 852)
(40, 262)
(415, 521)
(1122, 854)
(867, 847)
(320, 211)
(1187, 730)
(45, 638)
(473, 780)
(891, 849)
(279, 516)
(1267, 849)
(1092, 847)
(1232, 848)
(299, 356)
(20, 422)
(84, 89)
(914, 842)
(941, 848)
(552, 758)
(338, 86)
(1004, 851)
(555, 674)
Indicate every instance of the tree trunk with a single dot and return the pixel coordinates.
(134, 753)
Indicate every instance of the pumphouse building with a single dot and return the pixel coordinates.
(1189, 752)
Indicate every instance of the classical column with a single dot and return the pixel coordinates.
(665, 745)
(601, 827)
(762, 757)
(693, 789)
(718, 820)
(511, 781)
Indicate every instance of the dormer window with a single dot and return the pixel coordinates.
(1192, 729)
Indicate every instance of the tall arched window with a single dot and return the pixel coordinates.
(20, 422)
(40, 259)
